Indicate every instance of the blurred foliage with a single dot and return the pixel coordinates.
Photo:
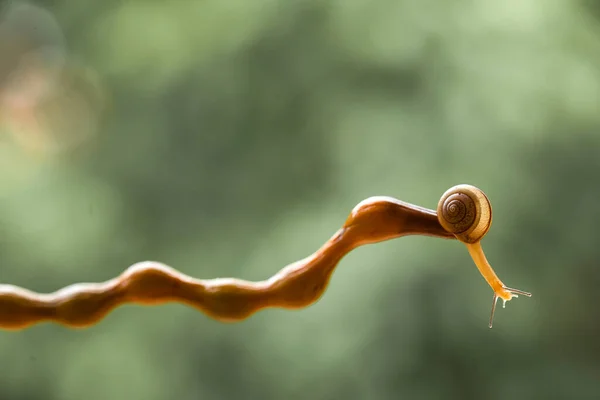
(230, 138)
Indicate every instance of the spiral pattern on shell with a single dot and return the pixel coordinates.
(459, 210)
(465, 211)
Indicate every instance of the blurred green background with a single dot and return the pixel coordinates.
(232, 137)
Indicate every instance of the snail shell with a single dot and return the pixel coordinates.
(466, 212)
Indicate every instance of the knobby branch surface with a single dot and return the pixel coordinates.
(297, 285)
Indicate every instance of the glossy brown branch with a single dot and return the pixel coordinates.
(226, 299)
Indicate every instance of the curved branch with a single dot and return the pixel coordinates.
(297, 285)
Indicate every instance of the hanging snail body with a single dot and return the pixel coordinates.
(463, 213)
(466, 212)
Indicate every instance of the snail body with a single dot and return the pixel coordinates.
(466, 212)
(463, 213)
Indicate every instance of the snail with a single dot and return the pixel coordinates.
(464, 213)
